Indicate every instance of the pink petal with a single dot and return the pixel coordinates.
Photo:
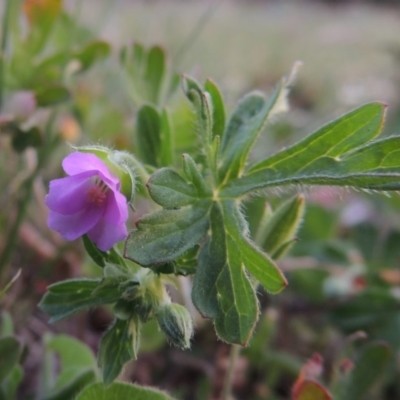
(70, 227)
(69, 195)
(116, 209)
(76, 163)
(105, 234)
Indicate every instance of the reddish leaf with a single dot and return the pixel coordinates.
(311, 390)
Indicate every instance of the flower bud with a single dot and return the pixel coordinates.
(175, 321)
(120, 163)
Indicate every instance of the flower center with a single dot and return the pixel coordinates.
(97, 193)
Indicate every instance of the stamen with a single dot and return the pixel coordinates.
(98, 193)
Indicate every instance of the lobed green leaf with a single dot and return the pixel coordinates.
(168, 189)
(68, 297)
(333, 155)
(221, 289)
(165, 235)
(245, 125)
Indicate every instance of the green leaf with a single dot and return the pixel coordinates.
(281, 227)
(221, 289)
(148, 128)
(75, 358)
(10, 350)
(154, 73)
(170, 190)
(332, 156)
(203, 106)
(218, 116)
(98, 256)
(311, 390)
(368, 368)
(259, 264)
(92, 53)
(68, 297)
(73, 387)
(163, 236)
(52, 95)
(6, 324)
(10, 384)
(246, 123)
(119, 391)
(194, 176)
(116, 349)
(167, 147)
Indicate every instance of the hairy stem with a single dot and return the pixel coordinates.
(233, 357)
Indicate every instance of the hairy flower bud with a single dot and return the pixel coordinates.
(175, 321)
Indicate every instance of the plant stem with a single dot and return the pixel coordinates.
(233, 357)
(4, 37)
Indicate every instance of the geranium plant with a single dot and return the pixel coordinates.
(201, 229)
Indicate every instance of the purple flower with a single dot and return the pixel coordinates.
(87, 201)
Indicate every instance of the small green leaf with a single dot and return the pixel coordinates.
(218, 107)
(163, 236)
(334, 155)
(194, 176)
(68, 297)
(10, 350)
(116, 349)
(167, 148)
(119, 391)
(148, 128)
(92, 53)
(170, 190)
(282, 225)
(154, 73)
(52, 95)
(368, 368)
(203, 106)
